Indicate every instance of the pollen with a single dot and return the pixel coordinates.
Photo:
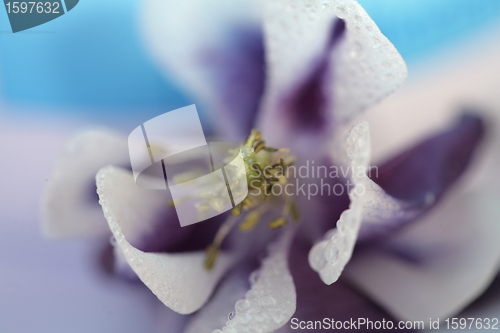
(250, 221)
(266, 168)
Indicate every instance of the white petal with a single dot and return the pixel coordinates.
(69, 203)
(369, 205)
(331, 255)
(177, 33)
(461, 248)
(215, 313)
(180, 281)
(366, 66)
(272, 299)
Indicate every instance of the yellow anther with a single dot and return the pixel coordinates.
(267, 173)
(256, 167)
(250, 221)
(247, 203)
(259, 145)
(277, 223)
(273, 180)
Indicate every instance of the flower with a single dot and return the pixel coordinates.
(301, 80)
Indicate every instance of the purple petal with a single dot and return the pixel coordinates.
(306, 105)
(419, 177)
(237, 70)
(433, 165)
(327, 205)
(436, 267)
(316, 84)
(301, 117)
(179, 280)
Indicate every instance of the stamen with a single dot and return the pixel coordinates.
(267, 173)
(266, 167)
(277, 223)
(213, 249)
(273, 180)
(250, 221)
(211, 256)
(247, 203)
(256, 167)
(236, 211)
(259, 146)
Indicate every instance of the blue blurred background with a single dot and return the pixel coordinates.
(91, 60)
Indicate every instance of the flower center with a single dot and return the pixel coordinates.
(266, 169)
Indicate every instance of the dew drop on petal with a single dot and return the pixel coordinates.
(332, 252)
(254, 277)
(356, 50)
(317, 256)
(242, 305)
(267, 301)
(244, 318)
(251, 294)
(260, 316)
(341, 12)
(278, 317)
(231, 315)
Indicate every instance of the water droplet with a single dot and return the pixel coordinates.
(267, 301)
(278, 317)
(254, 277)
(350, 151)
(112, 241)
(332, 252)
(317, 256)
(216, 331)
(251, 294)
(341, 12)
(242, 305)
(260, 316)
(356, 50)
(244, 318)
(231, 315)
